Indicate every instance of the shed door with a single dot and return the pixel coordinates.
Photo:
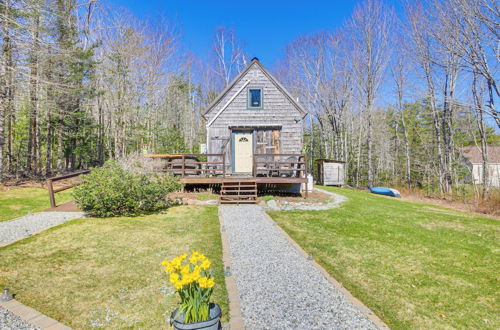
(243, 151)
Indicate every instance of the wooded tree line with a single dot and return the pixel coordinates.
(393, 95)
(82, 82)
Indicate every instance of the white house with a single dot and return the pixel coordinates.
(474, 157)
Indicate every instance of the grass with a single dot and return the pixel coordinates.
(17, 202)
(206, 196)
(267, 198)
(107, 273)
(418, 266)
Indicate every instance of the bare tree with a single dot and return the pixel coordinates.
(230, 57)
(5, 80)
(400, 70)
(370, 28)
(471, 34)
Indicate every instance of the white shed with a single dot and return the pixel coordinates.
(330, 172)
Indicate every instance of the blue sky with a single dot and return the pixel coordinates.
(265, 27)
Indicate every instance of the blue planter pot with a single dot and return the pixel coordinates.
(213, 323)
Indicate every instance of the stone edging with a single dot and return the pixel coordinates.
(235, 317)
(32, 316)
(355, 301)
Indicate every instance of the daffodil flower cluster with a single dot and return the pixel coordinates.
(184, 271)
(192, 278)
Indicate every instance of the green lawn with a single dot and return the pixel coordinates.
(206, 196)
(416, 265)
(107, 273)
(17, 202)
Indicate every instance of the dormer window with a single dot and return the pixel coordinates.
(255, 98)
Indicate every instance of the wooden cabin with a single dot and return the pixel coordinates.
(254, 134)
(253, 115)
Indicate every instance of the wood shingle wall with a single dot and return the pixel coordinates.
(278, 112)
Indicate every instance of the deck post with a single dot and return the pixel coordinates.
(223, 165)
(305, 176)
(254, 166)
(183, 162)
(51, 193)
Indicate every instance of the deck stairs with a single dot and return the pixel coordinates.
(238, 191)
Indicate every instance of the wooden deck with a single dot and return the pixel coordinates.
(268, 170)
(258, 180)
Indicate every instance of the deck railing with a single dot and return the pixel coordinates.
(279, 165)
(190, 164)
(209, 165)
(52, 191)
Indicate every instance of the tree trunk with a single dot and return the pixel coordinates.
(369, 145)
(482, 134)
(31, 157)
(5, 84)
(59, 129)
(407, 150)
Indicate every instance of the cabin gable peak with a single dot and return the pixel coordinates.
(244, 83)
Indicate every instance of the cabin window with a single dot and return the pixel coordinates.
(268, 141)
(255, 98)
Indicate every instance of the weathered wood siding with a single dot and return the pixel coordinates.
(331, 173)
(277, 112)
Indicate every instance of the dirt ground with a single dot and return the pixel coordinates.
(489, 209)
(14, 184)
(313, 197)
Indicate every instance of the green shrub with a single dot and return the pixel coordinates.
(267, 198)
(112, 191)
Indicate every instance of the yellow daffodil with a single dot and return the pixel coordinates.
(206, 282)
(187, 279)
(174, 277)
(176, 263)
(196, 274)
(178, 285)
(168, 267)
(205, 264)
(184, 269)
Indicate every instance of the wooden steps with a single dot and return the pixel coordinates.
(238, 192)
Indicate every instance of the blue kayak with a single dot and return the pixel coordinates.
(385, 191)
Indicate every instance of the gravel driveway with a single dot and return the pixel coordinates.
(278, 287)
(23, 227)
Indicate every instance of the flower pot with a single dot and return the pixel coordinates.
(213, 323)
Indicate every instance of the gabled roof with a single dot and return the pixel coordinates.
(475, 155)
(256, 61)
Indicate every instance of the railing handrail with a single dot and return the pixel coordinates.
(301, 164)
(50, 184)
(274, 155)
(181, 155)
(67, 176)
(186, 161)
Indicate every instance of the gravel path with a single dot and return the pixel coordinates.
(10, 321)
(334, 202)
(23, 227)
(278, 287)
